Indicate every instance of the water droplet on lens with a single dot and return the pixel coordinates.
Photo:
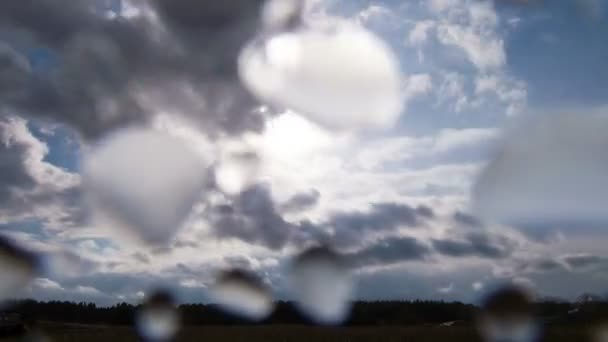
(243, 294)
(17, 269)
(281, 14)
(321, 283)
(158, 319)
(143, 181)
(312, 71)
(508, 316)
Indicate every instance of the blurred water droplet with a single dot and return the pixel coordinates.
(281, 14)
(158, 319)
(312, 71)
(237, 171)
(321, 283)
(17, 269)
(600, 333)
(243, 294)
(143, 181)
(508, 316)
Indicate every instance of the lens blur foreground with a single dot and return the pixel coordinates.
(507, 315)
(158, 319)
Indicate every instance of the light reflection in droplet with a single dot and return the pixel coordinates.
(18, 268)
(243, 294)
(321, 283)
(158, 319)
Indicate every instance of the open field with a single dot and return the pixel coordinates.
(94, 333)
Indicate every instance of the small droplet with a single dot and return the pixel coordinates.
(17, 269)
(508, 316)
(321, 283)
(242, 293)
(312, 71)
(158, 319)
(281, 14)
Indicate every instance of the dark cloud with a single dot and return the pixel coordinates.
(467, 219)
(251, 217)
(68, 61)
(238, 262)
(390, 251)
(350, 227)
(583, 261)
(302, 201)
(475, 244)
(142, 257)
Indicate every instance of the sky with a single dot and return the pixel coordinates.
(490, 172)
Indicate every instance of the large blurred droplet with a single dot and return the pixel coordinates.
(600, 333)
(158, 319)
(321, 284)
(237, 171)
(243, 294)
(17, 269)
(341, 76)
(508, 316)
(143, 181)
(551, 171)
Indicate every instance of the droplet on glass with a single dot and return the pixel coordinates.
(600, 333)
(143, 181)
(242, 293)
(312, 71)
(508, 316)
(158, 319)
(281, 14)
(18, 268)
(321, 284)
(550, 170)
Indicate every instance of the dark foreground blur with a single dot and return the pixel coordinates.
(286, 333)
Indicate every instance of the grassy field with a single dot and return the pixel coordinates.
(94, 333)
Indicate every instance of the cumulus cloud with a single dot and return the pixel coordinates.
(475, 244)
(252, 217)
(29, 185)
(75, 64)
(389, 251)
(301, 201)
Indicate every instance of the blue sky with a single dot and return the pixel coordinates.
(468, 68)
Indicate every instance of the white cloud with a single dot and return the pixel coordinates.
(419, 34)
(47, 284)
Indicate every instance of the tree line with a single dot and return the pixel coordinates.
(379, 313)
